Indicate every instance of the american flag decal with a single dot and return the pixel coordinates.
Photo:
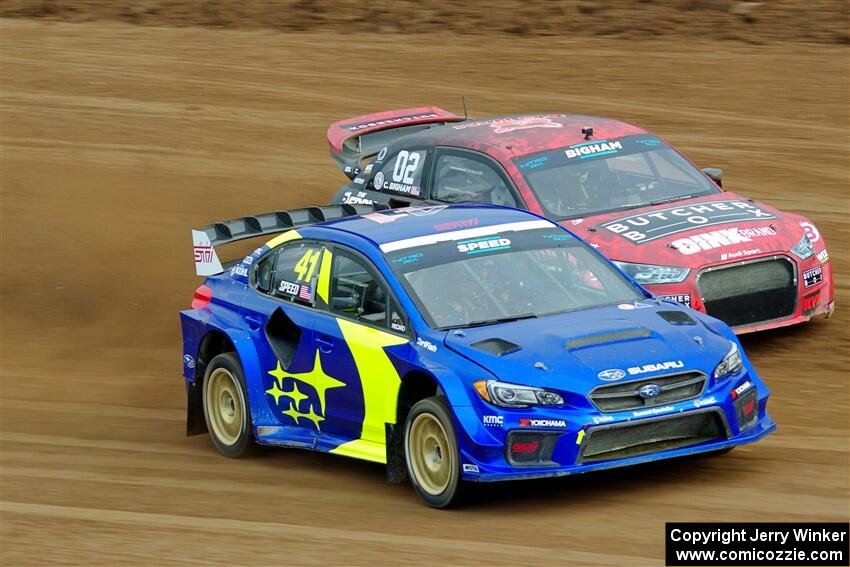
(305, 294)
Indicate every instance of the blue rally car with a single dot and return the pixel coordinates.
(453, 343)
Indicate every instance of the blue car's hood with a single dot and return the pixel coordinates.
(569, 350)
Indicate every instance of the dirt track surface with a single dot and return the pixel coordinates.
(117, 139)
(814, 21)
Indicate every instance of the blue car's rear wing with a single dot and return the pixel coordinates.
(204, 240)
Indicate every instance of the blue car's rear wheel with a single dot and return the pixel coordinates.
(431, 452)
(225, 406)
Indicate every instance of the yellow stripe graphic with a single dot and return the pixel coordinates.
(380, 383)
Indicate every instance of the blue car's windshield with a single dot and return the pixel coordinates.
(601, 176)
(489, 278)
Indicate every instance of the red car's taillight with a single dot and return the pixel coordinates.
(202, 297)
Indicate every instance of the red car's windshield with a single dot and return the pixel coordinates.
(602, 176)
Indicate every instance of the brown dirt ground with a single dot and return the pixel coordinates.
(819, 21)
(116, 139)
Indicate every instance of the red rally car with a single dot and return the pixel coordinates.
(665, 222)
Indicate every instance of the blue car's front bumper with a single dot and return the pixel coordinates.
(570, 440)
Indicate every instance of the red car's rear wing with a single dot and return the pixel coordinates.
(355, 139)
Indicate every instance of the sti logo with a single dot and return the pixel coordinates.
(203, 254)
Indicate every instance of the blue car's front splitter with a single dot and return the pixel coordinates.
(764, 427)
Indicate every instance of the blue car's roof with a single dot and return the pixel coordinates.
(410, 222)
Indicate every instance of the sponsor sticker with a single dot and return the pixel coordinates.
(740, 254)
(683, 298)
(656, 367)
(505, 125)
(697, 243)
(484, 244)
(741, 389)
(810, 303)
(645, 227)
(493, 420)
(590, 149)
(534, 163)
(239, 270)
(427, 345)
(289, 288)
(454, 225)
(823, 256)
(705, 402)
(189, 361)
(813, 276)
(409, 259)
(811, 231)
(397, 324)
(359, 199)
(652, 411)
(528, 422)
(633, 305)
(470, 468)
(389, 121)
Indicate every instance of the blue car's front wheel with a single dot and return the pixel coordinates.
(431, 452)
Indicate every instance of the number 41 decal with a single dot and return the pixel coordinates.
(307, 265)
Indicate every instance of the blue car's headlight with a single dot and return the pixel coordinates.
(803, 249)
(515, 396)
(651, 274)
(730, 364)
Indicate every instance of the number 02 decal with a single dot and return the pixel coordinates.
(307, 264)
(405, 166)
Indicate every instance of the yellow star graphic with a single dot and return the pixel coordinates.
(293, 413)
(276, 392)
(320, 381)
(313, 417)
(278, 374)
(310, 415)
(295, 394)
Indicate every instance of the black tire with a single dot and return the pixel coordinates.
(230, 433)
(437, 494)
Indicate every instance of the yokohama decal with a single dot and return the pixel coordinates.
(646, 227)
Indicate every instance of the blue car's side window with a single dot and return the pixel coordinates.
(357, 292)
(290, 273)
(263, 273)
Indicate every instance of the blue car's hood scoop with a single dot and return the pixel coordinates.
(568, 351)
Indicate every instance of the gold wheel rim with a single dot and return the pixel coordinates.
(225, 406)
(430, 454)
